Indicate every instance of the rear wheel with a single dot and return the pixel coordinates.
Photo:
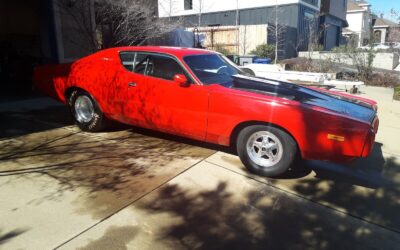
(86, 112)
(266, 150)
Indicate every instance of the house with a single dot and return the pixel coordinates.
(297, 21)
(26, 38)
(385, 30)
(359, 18)
(332, 20)
(57, 31)
(45, 31)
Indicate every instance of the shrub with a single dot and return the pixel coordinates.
(362, 60)
(310, 65)
(383, 80)
(298, 64)
(265, 50)
(397, 93)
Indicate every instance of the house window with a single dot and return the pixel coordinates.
(312, 2)
(188, 4)
(377, 36)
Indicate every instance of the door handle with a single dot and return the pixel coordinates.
(132, 84)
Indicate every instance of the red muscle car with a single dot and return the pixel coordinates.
(201, 95)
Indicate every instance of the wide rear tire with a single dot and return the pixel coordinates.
(86, 112)
(266, 150)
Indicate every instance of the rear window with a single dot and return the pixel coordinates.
(127, 60)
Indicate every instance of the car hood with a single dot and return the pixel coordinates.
(351, 107)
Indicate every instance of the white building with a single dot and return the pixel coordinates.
(360, 20)
(174, 8)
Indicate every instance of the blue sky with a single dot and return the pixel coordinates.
(384, 6)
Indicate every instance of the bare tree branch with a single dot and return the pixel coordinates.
(116, 22)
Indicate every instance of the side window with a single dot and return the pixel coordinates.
(127, 59)
(164, 67)
(153, 65)
(135, 62)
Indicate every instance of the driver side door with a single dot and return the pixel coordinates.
(164, 104)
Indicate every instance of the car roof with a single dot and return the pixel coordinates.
(176, 51)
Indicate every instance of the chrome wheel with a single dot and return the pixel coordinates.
(264, 148)
(84, 110)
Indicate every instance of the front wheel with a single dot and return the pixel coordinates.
(86, 112)
(266, 150)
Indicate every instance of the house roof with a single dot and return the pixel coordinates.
(346, 30)
(351, 6)
(360, 2)
(384, 22)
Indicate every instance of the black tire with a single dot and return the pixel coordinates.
(98, 121)
(288, 147)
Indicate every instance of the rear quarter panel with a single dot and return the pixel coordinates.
(95, 74)
(51, 79)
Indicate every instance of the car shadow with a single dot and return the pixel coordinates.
(169, 137)
(363, 172)
(366, 172)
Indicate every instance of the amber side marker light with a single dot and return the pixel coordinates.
(335, 137)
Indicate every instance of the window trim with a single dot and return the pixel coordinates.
(191, 78)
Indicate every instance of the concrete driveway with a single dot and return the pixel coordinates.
(134, 189)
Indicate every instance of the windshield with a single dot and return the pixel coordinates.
(212, 68)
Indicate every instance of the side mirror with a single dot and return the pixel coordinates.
(181, 80)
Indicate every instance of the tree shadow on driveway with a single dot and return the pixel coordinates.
(368, 188)
(109, 170)
(263, 218)
(4, 237)
(20, 123)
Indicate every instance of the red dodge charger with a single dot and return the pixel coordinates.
(201, 95)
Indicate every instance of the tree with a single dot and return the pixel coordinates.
(394, 32)
(114, 22)
(78, 18)
(277, 31)
(395, 15)
(265, 50)
(200, 9)
(362, 59)
(277, 38)
(130, 22)
(315, 31)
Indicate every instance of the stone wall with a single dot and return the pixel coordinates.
(388, 61)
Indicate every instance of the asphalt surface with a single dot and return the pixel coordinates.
(136, 189)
